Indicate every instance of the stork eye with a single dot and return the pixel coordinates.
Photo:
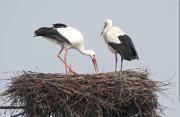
(94, 55)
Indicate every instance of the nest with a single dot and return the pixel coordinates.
(121, 94)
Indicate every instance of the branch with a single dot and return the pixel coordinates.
(12, 107)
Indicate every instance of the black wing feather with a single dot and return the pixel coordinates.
(52, 34)
(126, 48)
(59, 25)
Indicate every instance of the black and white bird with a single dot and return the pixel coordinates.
(67, 37)
(118, 42)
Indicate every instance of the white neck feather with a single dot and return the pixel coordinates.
(107, 26)
(83, 51)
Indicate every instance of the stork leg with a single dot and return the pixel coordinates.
(59, 57)
(65, 60)
(116, 60)
(121, 63)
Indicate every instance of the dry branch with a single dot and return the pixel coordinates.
(121, 94)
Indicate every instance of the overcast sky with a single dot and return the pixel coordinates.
(152, 25)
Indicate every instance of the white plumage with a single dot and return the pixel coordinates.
(72, 34)
(118, 42)
(67, 37)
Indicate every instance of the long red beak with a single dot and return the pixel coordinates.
(95, 65)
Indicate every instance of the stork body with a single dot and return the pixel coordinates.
(68, 38)
(119, 43)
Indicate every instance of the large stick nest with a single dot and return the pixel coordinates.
(121, 94)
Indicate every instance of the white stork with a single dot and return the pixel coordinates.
(118, 42)
(67, 37)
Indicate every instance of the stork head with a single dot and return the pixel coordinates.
(92, 55)
(108, 22)
(107, 25)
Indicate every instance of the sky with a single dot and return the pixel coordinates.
(153, 26)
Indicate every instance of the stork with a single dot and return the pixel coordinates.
(119, 43)
(67, 37)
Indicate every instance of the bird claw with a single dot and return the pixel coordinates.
(72, 72)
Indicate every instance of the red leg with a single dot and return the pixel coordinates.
(64, 62)
(60, 52)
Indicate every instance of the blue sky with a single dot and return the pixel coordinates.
(152, 25)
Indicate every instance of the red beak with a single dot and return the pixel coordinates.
(95, 65)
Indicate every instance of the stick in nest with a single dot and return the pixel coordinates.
(121, 94)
